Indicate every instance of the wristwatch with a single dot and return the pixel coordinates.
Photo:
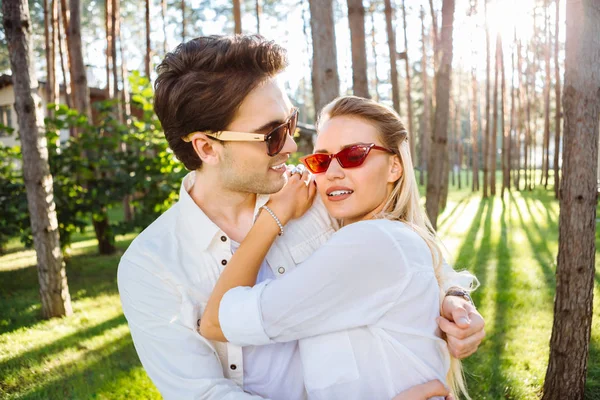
(460, 293)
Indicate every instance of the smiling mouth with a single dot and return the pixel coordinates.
(339, 193)
(278, 166)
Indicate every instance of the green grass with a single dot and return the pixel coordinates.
(510, 244)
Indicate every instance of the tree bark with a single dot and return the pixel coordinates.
(557, 115)
(110, 84)
(163, 12)
(54, 290)
(486, 134)
(55, 97)
(356, 20)
(48, 36)
(258, 12)
(80, 90)
(546, 143)
(325, 78)
(504, 129)
(237, 17)
(409, 110)
(374, 51)
(426, 117)
(569, 342)
(148, 58)
(474, 130)
(65, 54)
(493, 141)
(183, 27)
(391, 35)
(440, 138)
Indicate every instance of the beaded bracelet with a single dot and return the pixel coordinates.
(275, 218)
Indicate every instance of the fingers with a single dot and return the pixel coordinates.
(463, 342)
(424, 391)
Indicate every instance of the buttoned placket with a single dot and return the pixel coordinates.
(234, 369)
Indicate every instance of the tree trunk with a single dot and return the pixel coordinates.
(356, 20)
(65, 55)
(79, 86)
(49, 51)
(147, 60)
(557, 111)
(237, 17)
(115, 25)
(258, 12)
(54, 290)
(493, 142)
(55, 97)
(325, 78)
(523, 101)
(474, 130)
(569, 343)
(374, 51)
(391, 35)
(486, 134)
(426, 117)
(409, 110)
(108, 24)
(163, 12)
(183, 27)
(547, 83)
(504, 129)
(440, 138)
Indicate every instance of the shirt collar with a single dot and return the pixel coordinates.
(201, 229)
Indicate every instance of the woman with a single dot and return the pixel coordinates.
(364, 305)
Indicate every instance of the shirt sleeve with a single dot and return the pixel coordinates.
(351, 281)
(451, 278)
(181, 363)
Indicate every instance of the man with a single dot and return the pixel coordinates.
(213, 84)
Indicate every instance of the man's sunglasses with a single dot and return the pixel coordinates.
(275, 139)
(351, 157)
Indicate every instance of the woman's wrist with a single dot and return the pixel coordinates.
(268, 224)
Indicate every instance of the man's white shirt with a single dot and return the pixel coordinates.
(165, 279)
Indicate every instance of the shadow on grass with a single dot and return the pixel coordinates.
(455, 213)
(85, 378)
(35, 356)
(539, 247)
(592, 387)
(89, 275)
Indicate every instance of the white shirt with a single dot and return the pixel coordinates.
(273, 369)
(165, 279)
(364, 307)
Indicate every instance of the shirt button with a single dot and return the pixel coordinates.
(223, 238)
(281, 270)
(233, 367)
(223, 262)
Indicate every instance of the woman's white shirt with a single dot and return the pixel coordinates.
(364, 306)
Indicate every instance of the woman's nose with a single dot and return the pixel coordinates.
(335, 170)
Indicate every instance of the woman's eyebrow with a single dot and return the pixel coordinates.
(343, 148)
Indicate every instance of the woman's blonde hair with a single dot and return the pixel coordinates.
(403, 203)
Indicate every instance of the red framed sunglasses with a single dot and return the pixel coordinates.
(351, 157)
(275, 139)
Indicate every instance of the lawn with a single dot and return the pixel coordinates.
(510, 244)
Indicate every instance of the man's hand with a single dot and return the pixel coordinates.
(425, 391)
(463, 326)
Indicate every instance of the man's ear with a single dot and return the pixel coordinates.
(396, 170)
(207, 149)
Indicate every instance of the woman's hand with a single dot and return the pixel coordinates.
(425, 391)
(295, 198)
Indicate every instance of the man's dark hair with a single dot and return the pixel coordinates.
(202, 83)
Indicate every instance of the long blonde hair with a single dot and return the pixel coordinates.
(403, 203)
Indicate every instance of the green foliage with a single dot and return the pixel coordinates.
(100, 164)
(13, 198)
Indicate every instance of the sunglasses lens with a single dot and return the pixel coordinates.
(276, 140)
(317, 163)
(353, 156)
